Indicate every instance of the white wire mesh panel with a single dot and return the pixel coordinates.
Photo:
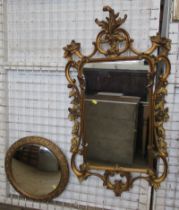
(38, 29)
(37, 105)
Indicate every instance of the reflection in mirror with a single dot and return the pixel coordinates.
(36, 168)
(116, 113)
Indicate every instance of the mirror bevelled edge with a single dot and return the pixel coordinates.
(54, 149)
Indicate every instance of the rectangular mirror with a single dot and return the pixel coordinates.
(116, 113)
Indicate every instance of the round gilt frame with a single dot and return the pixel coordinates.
(119, 44)
(58, 154)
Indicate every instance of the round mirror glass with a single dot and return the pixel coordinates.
(36, 170)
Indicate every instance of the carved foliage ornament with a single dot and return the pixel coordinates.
(113, 42)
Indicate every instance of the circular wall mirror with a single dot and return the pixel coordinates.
(36, 168)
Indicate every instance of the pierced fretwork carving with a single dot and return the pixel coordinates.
(113, 42)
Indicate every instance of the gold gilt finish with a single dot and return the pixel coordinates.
(64, 170)
(118, 46)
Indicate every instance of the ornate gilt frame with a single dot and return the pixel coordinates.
(58, 154)
(112, 35)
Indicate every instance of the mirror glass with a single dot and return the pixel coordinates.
(116, 115)
(35, 169)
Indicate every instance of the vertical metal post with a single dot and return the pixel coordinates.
(166, 18)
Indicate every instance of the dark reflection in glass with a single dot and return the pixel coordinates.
(116, 113)
(35, 169)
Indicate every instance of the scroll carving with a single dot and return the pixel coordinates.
(117, 43)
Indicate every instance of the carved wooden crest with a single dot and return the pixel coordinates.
(112, 44)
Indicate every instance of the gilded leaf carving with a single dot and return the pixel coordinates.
(112, 44)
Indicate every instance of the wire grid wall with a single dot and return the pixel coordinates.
(37, 105)
(36, 89)
(38, 29)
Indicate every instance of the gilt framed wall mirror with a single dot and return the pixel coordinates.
(118, 107)
(36, 168)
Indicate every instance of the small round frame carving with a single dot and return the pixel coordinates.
(57, 153)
